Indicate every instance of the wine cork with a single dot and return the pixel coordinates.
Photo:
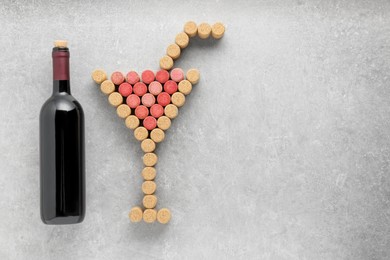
(150, 159)
(177, 74)
(99, 76)
(170, 87)
(123, 111)
(157, 135)
(193, 76)
(164, 122)
(132, 122)
(141, 112)
(135, 214)
(163, 99)
(132, 77)
(140, 89)
(155, 88)
(162, 76)
(133, 101)
(204, 30)
(173, 51)
(185, 87)
(171, 111)
(148, 99)
(163, 216)
(182, 40)
(148, 145)
(190, 28)
(150, 123)
(125, 89)
(150, 215)
(149, 173)
(148, 187)
(147, 76)
(140, 133)
(149, 201)
(61, 43)
(178, 99)
(217, 30)
(166, 62)
(115, 99)
(117, 78)
(156, 110)
(107, 87)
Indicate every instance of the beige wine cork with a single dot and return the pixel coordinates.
(123, 111)
(166, 62)
(107, 87)
(190, 28)
(171, 111)
(150, 159)
(148, 187)
(60, 44)
(141, 133)
(149, 201)
(149, 173)
(173, 51)
(182, 40)
(217, 30)
(115, 99)
(148, 145)
(99, 76)
(185, 87)
(204, 30)
(150, 215)
(178, 99)
(163, 122)
(132, 122)
(135, 214)
(163, 216)
(157, 135)
(193, 76)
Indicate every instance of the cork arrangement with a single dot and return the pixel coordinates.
(147, 102)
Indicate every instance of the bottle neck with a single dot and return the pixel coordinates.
(61, 79)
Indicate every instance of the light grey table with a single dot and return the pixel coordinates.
(282, 151)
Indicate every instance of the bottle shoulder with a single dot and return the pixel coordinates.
(62, 102)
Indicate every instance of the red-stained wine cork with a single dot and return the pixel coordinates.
(141, 112)
(135, 214)
(163, 99)
(149, 173)
(148, 187)
(166, 62)
(133, 101)
(123, 111)
(115, 99)
(164, 122)
(149, 215)
(171, 111)
(149, 201)
(173, 51)
(117, 77)
(162, 76)
(170, 87)
(182, 40)
(141, 133)
(217, 30)
(148, 100)
(150, 123)
(125, 89)
(163, 216)
(107, 87)
(99, 76)
(150, 159)
(132, 122)
(132, 77)
(178, 99)
(193, 76)
(185, 87)
(190, 28)
(155, 88)
(148, 145)
(157, 135)
(177, 74)
(156, 110)
(204, 30)
(147, 76)
(140, 89)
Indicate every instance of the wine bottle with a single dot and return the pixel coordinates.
(62, 173)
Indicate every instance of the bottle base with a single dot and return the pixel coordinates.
(63, 220)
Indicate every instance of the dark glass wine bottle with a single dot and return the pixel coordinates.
(62, 177)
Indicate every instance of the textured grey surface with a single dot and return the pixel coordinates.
(281, 152)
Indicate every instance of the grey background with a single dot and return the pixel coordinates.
(282, 151)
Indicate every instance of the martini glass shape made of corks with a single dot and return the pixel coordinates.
(148, 102)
